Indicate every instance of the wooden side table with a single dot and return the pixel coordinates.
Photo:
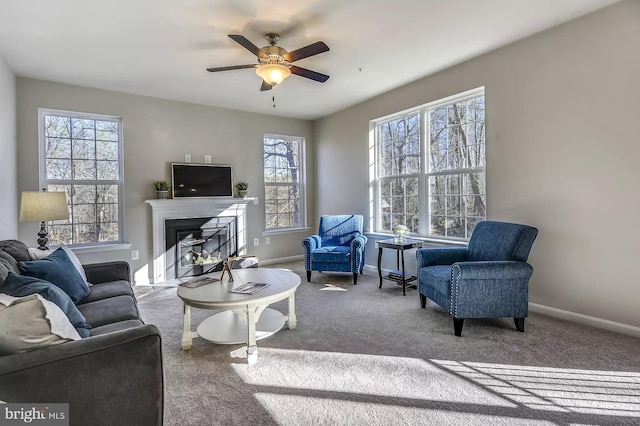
(400, 247)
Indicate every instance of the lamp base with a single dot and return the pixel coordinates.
(43, 240)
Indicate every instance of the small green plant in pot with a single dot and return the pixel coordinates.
(162, 188)
(243, 188)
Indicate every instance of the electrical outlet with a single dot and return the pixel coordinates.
(256, 242)
(187, 158)
(207, 159)
(135, 255)
(267, 240)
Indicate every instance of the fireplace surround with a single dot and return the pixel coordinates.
(199, 209)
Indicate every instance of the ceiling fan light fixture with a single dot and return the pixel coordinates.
(273, 73)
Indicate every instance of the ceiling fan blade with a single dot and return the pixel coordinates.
(232, 67)
(305, 52)
(244, 42)
(303, 72)
(265, 86)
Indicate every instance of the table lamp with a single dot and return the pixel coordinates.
(41, 207)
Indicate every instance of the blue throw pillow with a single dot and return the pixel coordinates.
(21, 285)
(58, 269)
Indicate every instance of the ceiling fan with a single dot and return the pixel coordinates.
(274, 62)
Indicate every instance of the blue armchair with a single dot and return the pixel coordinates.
(338, 246)
(487, 279)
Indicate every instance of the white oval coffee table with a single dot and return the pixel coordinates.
(244, 317)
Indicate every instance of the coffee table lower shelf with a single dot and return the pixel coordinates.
(229, 328)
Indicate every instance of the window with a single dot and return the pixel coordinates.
(430, 168)
(81, 154)
(284, 182)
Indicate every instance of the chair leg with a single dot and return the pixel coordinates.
(457, 326)
(355, 278)
(308, 276)
(519, 324)
(423, 301)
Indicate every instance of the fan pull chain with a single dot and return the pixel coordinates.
(273, 99)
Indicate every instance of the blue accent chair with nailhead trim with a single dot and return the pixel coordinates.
(338, 246)
(487, 279)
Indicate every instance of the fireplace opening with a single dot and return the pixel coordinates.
(198, 246)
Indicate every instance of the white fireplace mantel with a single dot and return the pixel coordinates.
(189, 208)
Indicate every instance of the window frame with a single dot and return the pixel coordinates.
(424, 174)
(44, 182)
(302, 184)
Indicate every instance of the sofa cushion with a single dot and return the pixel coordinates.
(331, 254)
(7, 264)
(76, 262)
(108, 311)
(107, 290)
(32, 322)
(10, 261)
(37, 254)
(23, 285)
(58, 269)
(116, 326)
(17, 249)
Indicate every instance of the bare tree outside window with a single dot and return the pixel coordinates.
(399, 171)
(456, 175)
(284, 182)
(444, 196)
(81, 156)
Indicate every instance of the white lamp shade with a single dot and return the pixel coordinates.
(43, 206)
(273, 73)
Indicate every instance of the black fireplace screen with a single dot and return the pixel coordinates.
(198, 246)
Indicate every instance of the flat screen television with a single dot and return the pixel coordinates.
(201, 180)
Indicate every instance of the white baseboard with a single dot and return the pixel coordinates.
(604, 324)
(374, 270)
(280, 260)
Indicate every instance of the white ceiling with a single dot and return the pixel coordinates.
(161, 48)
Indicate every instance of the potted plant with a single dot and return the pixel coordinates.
(242, 189)
(162, 188)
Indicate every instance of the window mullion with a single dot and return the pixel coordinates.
(423, 182)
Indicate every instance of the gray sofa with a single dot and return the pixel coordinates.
(115, 376)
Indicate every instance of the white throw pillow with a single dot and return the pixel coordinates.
(32, 322)
(37, 254)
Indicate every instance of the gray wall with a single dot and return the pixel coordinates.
(8, 187)
(156, 133)
(562, 155)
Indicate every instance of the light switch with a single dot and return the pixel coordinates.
(187, 158)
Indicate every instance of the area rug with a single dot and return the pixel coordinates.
(370, 356)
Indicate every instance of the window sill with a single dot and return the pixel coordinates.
(100, 248)
(286, 231)
(432, 242)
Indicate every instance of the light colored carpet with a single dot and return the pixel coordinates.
(372, 357)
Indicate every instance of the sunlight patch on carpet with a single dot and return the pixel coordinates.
(292, 409)
(610, 393)
(352, 375)
(333, 287)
